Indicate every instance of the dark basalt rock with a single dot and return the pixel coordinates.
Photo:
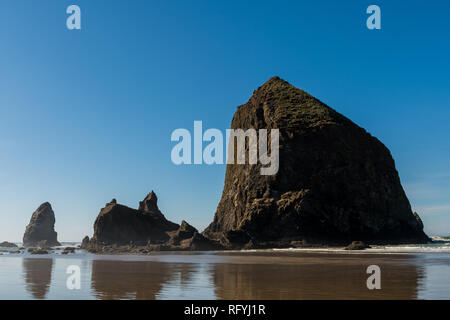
(187, 238)
(335, 182)
(200, 243)
(41, 229)
(38, 251)
(419, 221)
(68, 250)
(186, 231)
(85, 243)
(121, 225)
(357, 245)
(236, 239)
(150, 203)
(119, 229)
(6, 244)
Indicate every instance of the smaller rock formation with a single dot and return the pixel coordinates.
(150, 203)
(188, 238)
(357, 245)
(85, 243)
(68, 250)
(120, 229)
(185, 231)
(117, 224)
(6, 244)
(40, 232)
(38, 251)
(200, 243)
(237, 239)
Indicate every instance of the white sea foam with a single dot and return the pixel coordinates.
(439, 245)
(413, 248)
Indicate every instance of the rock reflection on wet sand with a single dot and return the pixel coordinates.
(135, 279)
(38, 276)
(262, 276)
(316, 277)
(256, 275)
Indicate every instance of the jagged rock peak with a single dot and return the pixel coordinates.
(150, 203)
(186, 227)
(119, 224)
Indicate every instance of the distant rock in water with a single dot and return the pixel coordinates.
(336, 183)
(357, 245)
(41, 229)
(85, 243)
(121, 225)
(6, 244)
(38, 251)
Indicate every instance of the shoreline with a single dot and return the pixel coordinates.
(275, 252)
(243, 274)
(439, 245)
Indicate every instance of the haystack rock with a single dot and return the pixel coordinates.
(121, 225)
(41, 229)
(335, 184)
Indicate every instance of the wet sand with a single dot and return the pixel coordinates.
(230, 275)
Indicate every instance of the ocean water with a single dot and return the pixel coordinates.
(407, 272)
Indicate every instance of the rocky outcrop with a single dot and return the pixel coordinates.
(186, 231)
(6, 244)
(150, 203)
(41, 229)
(357, 245)
(38, 251)
(188, 238)
(335, 183)
(199, 242)
(120, 229)
(419, 221)
(85, 243)
(68, 250)
(120, 225)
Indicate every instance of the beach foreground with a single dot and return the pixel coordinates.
(406, 273)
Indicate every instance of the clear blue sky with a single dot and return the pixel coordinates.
(86, 116)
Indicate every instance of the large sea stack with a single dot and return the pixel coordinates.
(336, 183)
(41, 229)
(117, 224)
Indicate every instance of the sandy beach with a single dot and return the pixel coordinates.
(406, 273)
